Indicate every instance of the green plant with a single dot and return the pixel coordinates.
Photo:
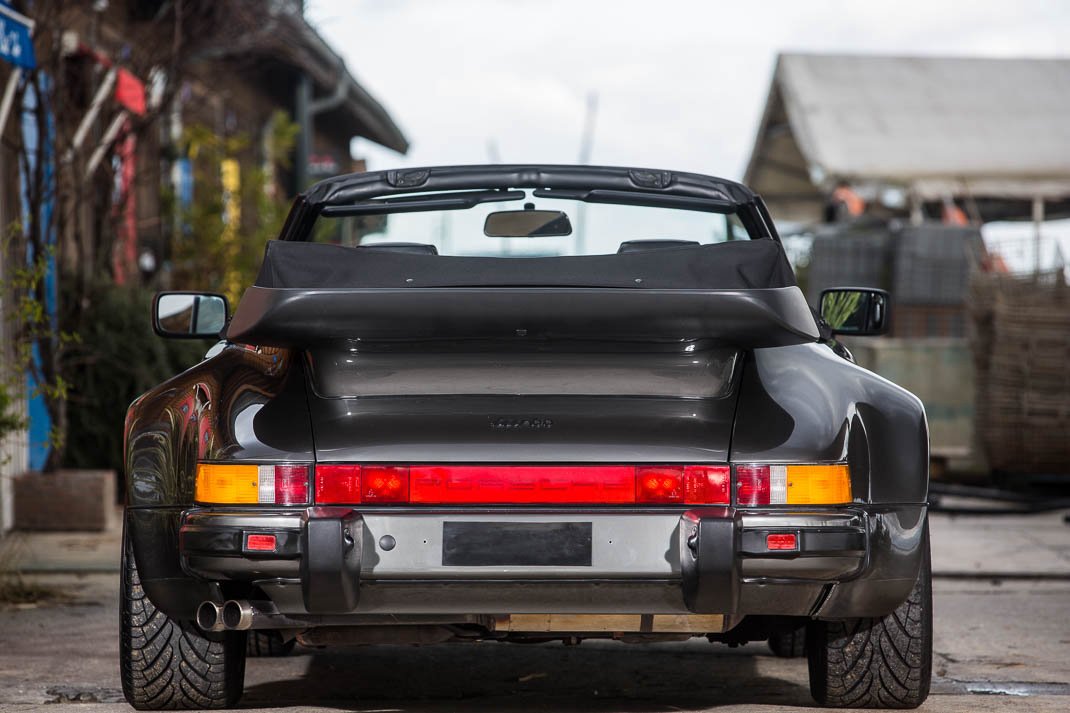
(839, 307)
(235, 210)
(35, 343)
(118, 359)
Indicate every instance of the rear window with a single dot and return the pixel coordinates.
(597, 228)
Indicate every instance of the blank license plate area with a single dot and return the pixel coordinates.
(517, 544)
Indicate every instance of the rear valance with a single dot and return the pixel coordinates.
(741, 318)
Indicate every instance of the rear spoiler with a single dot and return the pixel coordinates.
(298, 318)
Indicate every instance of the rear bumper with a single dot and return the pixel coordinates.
(849, 561)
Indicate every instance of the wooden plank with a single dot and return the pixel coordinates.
(630, 623)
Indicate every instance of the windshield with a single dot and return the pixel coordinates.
(596, 228)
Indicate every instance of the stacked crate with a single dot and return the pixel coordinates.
(1021, 355)
(849, 257)
(926, 268)
(931, 279)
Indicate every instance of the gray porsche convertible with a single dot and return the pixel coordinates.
(525, 403)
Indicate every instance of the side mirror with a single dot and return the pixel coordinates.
(855, 311)
(189, 315)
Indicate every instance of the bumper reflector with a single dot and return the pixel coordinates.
(260, 543)
(767, 484)
(523, 484)
(781, 541)
(250, 484)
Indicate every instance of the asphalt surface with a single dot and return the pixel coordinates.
(1002, 642)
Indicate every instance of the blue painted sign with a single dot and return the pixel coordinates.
(40, 422)
(16, 39)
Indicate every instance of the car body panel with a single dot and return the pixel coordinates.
(804, 403)
(695, 379)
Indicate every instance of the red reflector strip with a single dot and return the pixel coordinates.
(260, 543)
(545, 484)
(781, 541)
(523, 484)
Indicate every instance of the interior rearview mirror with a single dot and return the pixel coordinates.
(189, 315)
(855, 311)
(527, 224)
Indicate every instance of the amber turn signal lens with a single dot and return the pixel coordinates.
(226, 483)
(247, 484)
(818, 484)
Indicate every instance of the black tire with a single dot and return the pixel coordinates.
(168, 665)
(789, 644)
(268, 643)
(883, 662)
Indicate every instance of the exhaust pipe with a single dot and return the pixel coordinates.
(238, 615)
(242, 615)
(210, 616)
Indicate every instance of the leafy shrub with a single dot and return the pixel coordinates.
(118, 359)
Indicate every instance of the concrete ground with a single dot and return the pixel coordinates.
(1002, 598)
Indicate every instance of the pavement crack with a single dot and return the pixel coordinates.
(84, 694)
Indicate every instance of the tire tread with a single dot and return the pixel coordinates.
(878, 662)
(171, 665)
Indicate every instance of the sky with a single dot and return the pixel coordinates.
(680, 85)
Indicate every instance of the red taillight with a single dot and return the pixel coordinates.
(338, 484)
(752, 485)
(291, 484)
(691, 484)
(260, 543)
(781, 541)
(659, 485)
(384, 484)
(522, 485)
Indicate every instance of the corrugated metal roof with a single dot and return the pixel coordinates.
(938, 125)
(930, 116)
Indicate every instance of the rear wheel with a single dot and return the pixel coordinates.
(266, 643)
(166, 664)
(881, 662)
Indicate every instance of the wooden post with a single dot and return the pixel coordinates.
(1038, 220)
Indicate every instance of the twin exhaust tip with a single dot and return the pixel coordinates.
(234, 615)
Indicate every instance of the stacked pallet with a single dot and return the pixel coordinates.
(1022, 357)
(925, 267)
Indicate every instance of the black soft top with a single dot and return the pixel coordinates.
(745, 264)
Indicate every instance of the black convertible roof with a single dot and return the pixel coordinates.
(737, 292)
(604, 184)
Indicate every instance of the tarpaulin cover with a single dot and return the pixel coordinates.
(750, 264)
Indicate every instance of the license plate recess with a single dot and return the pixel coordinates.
(516, 544)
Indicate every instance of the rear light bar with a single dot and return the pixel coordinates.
(523, 484)
(243, 483)
(767, 484)
(344, 483)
